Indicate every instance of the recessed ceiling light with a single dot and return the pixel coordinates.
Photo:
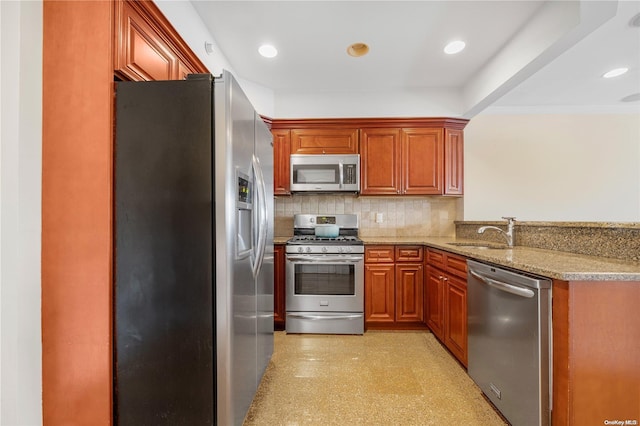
(615, 72)
(454, 47)
(268, 51)
(358, 49)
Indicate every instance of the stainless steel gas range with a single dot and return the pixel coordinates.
(325, 277)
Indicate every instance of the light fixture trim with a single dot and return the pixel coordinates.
(268, 51)
(455, 46)
(632, 98)
(615, 72)
(357, 49)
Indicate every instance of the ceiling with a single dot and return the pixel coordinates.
(518, 53)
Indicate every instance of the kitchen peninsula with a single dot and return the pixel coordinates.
(596, 332)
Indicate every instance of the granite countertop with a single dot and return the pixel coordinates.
(549, 263)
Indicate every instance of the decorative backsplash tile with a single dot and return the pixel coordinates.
(401, 216)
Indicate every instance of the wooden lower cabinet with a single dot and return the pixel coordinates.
(446, 300)
(409, 289)
(379, 290)
(434, 303)
(455, 324)
(279, 286)
(394, 287)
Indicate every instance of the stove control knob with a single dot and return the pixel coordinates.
(324, 249)
(348, 249)
(340, 250)
(299, 249)
(308, 249)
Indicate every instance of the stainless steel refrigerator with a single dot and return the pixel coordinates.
(193, 252)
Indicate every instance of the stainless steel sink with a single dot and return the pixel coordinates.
(480, 245)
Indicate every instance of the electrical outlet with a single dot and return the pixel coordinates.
(379, 218)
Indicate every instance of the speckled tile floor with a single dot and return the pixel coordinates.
(380, 378)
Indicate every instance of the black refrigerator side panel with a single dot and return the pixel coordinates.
(164, 333)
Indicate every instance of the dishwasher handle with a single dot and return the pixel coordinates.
(509, 288)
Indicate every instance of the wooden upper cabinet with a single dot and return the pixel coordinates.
(324, 141)
(422, 161)
(453, 161)
(281, 156)
(380, 161)
(147, 47)
(401, 161)
(398, 156)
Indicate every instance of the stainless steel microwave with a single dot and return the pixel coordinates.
(325, 173)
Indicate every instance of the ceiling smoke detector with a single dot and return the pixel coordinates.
(358, 49)
(635, 21)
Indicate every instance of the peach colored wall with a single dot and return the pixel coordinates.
(77, 213)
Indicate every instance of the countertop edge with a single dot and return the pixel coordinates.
(552, 264)
(558, 265)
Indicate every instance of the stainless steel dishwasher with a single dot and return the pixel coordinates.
(509, 332)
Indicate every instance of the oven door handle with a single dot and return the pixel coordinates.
(323, 259)
(325, 317)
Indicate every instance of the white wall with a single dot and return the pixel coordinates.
(20, 212)
(554, 167)
(418, 102)
(189, 25)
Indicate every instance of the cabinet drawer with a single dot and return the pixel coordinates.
(409, 254)
(457, 265)
(379, 254)
(436, 258)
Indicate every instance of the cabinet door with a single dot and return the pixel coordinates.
(279, 286)
(281, 156)
(435, 287)
(380, 161)
(453, 162)
(379, 283)
(141, 54)
(422, 161)
(409, 292)
(147, 47)
(184, 70)
(324, 141)
(455, 333)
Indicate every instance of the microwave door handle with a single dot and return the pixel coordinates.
(341, 173)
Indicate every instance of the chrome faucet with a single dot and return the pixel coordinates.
(507, 235)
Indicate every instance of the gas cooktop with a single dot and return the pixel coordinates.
(312, 239)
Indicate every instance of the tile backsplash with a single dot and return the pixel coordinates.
(401, 216)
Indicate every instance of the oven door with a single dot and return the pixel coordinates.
(325, 283)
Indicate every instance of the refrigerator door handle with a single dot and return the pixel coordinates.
(261, 192)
